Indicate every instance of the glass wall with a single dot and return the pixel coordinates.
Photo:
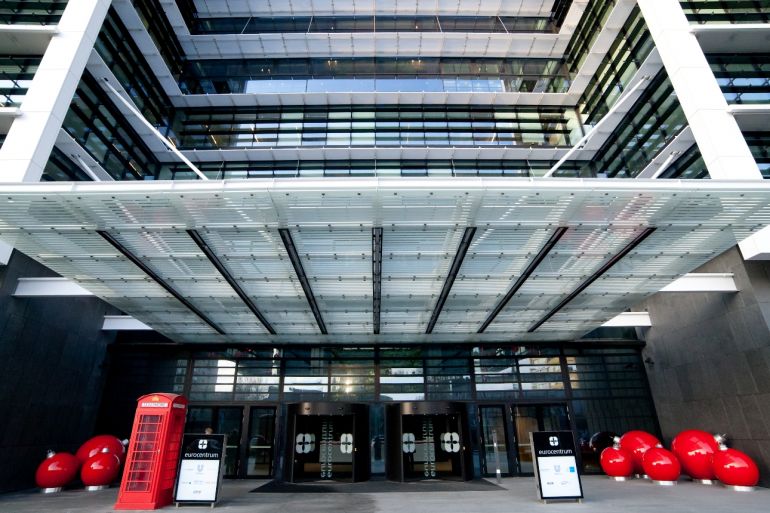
(328, 24)
(743, 78)
(16, 74)
(381, 125)
(726, 11)
(510, 389)
(95, 122)
(588, 29)
(624, 58)
(653, 121)
(374, 74)
(36, 12)
(116, 46)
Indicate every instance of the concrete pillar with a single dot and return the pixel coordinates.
(724, 150)
(33, 133)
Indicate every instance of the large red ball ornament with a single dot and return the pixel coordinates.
(735, 468)
(637, 443)
(97, 444)
(616, 462)
(695, 448)
(661, 465)
(57, 470)
(100, 470)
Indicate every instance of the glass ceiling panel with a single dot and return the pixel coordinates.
(423, 225)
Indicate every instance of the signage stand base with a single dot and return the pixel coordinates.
(550, 501)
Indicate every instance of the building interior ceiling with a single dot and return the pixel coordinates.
(378, 260)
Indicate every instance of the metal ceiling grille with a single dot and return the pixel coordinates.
(343, 251)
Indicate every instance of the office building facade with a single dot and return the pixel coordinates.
(384, 237)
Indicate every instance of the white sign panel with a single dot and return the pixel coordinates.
(198, 480)
(559, 477)
(556, 469)
(200, 469)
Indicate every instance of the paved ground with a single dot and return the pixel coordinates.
(516, 495)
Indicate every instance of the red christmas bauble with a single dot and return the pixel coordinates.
(57, 470)
(637, 443)
(100, 470)
(694, 448)
(661, 464)
(97, 444)
(616, 462)
(735, 468)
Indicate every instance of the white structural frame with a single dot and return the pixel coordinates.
(629, 320)
(725, 152)
(123, 323)
(703, 282)
(48, 287)
(33, 133)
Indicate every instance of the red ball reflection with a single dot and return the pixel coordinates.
(735, 468)
(57, 470)
(637, 443)
(695, 448)
(661, 464)
(100, 470)
(616, 462)
(97, 444)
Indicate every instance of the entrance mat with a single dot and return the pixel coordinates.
(378, 486)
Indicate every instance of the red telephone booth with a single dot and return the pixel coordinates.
(151, 462)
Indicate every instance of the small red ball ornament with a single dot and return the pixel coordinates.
(100, 470)
(56, 470)
(735, 468)
(637, 443)
(97, 444)
(695, 448)
(616, 462)
(661, 465)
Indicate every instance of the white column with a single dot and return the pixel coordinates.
(33, 133)
(724, 150)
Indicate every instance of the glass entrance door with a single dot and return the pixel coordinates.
(323, 447)
(260, 442)
(546, 417)
(494, 439)
(431, 446)
(225, 420)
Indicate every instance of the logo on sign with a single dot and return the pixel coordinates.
(554, 441)
(305, 443)
(407, 443)
(346, 443)
(203, 444)
(450, 442)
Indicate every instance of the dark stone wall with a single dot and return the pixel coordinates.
(711, 359)
(51, 356)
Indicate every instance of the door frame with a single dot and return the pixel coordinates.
(509, 412)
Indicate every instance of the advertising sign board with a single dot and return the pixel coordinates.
(200, 469)
(556, 469)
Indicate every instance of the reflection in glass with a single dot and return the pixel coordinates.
(494, 439)
(261, 438)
